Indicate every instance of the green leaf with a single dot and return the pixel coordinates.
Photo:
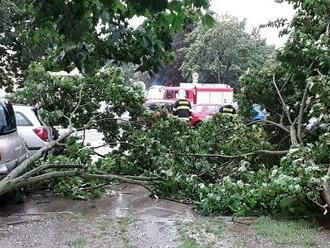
(208, 20)
(175, 5)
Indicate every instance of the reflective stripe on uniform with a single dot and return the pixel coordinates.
(185, 118)
(227, 110)
(184, 102)
(183, 107)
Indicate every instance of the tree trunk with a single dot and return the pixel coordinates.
(219, 58)
(293, 136)
(225, 77)
(219, 76)
(326, 189)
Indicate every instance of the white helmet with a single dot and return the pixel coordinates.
(182, 94)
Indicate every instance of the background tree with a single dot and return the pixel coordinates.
(300, 71)
(295, 89)
(170, 74)
(16, 47)
(221, 54)
(86, 34)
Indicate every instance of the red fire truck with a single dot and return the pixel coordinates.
(202, 94)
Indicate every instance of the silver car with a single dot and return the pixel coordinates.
(12, 147)
(35, 133)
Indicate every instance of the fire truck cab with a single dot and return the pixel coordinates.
(202, 94)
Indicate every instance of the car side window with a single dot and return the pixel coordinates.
(7, 118)
(21, 120)
(253, 113)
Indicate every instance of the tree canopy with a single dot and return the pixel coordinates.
(230, 164)
(222, 53)
(86, 34)
(301, 70)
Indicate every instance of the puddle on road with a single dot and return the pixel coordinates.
(128, 218)
(128, 200)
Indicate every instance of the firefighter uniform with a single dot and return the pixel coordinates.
(182, 109)
(228, 109)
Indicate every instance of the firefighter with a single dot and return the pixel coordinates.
(228, 109)
(182, 107)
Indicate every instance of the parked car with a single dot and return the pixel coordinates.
(202, 112)
(154, 105)
(12, 146)
(32, 130)
(258, 114)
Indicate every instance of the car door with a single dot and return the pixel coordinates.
(12, 146)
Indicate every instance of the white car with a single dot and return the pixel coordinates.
(30, 128)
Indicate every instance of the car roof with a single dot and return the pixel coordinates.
(28, 112)
(159, 101)
(3, 100)
(22, 106)
(207, 104)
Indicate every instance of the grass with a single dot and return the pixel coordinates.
(124, 225)
(200, 229)
(186, 241)
(79, 243)
(105, 225)
(288, 233)
(216, 227)
(189, 243)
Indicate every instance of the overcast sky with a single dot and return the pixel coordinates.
(256, 12)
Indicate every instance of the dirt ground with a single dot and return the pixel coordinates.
(129, 218)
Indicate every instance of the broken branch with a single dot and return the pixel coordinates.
(285, 108)
(301, 113)
(237, 156)
(271, 123)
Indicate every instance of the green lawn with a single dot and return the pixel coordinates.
(289, 233)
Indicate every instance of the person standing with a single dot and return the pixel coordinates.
(228, 109)
(182, 107)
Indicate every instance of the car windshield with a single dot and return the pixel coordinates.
(7, 118)
(206, 108)
(159, 105)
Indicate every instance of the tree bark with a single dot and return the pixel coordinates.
(225, 77)
(293, 136)
(32, 180)
(301, 113)
(293, 132)
(326, 189)
(219, 75)
(280, 126)
(236, 156)
(285, 108)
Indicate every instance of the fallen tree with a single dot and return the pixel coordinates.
(37, 169)
(238, 171)
(276, 166)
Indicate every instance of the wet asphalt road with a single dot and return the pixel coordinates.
(126, 217)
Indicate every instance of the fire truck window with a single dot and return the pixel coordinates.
(170, 94)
